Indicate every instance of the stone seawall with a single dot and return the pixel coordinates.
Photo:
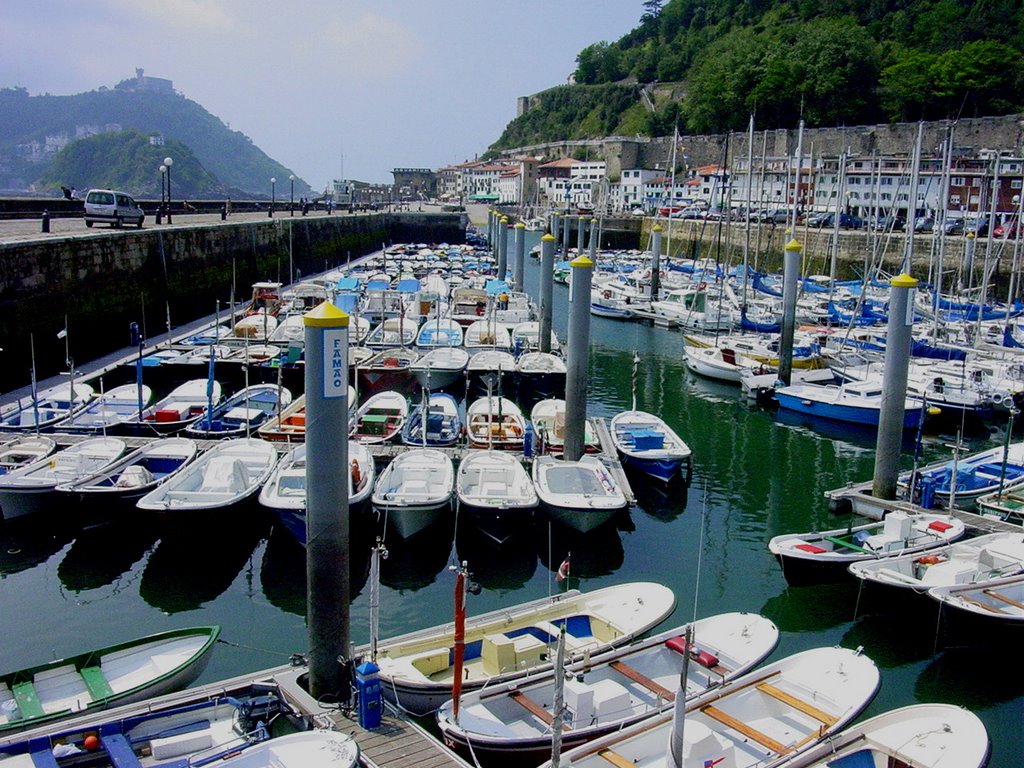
(103, 283)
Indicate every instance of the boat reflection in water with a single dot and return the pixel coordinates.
(24, 544)
(194, 565)
(102, 554)
(508, 565)
(812, 608)
(898, 638)
(414, 563)
(593, 554)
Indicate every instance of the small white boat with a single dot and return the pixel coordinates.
(31, 489)
(259, 326)
(136, 473)
(380, 418)
(24, 451)
(492, 365)
(440, 367)
(285, 490)
(393, 332)
(526, 338)
(388, 371)
(720, 363)
(442, 332)
(997, 603)
(921, 735)
(579, 494)
(229, 473)
(102, 678)
(49, 407)
(517, 641)
(305, 749)
(107, 411)
(608, 692)
(487, 334)
(967, 561)
(1006, 505)
(415, 489)
(440, 412)
(242, 413)
(646, 443)
(825, 555)
(768, 715)
(853, 402)
(184, 405)
(495, 422)
(967, 478)
(496, 490)
(548, 419)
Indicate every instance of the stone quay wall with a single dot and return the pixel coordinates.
(101, 284)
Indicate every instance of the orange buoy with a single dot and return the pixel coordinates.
(91, 742)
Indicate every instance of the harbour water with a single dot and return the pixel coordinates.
(64, 589)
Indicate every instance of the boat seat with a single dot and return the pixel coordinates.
(43, 758)
(637, 677)
(615, 758)
(535, 709)
(739, 726)
(119, 750)
(28, 700)
(796, 703)
(431, 662)
(96, 682)
(1003, 598)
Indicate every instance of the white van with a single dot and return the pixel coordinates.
(114, 208)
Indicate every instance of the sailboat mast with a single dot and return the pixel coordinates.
(947, 162)
(749, 209)
(915, 170)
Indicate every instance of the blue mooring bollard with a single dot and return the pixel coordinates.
(46, 221)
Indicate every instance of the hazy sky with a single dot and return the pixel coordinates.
(384, 84)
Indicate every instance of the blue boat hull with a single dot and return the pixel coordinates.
(845, 413)
(664, 470)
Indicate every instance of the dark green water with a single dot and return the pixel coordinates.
(63, 590)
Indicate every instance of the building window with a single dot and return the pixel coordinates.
(957, 181)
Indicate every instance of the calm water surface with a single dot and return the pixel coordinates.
(64, 589)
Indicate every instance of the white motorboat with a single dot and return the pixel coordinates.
(491, 365)
(415, 489)
(49, 407)
(495, 422)
(921, 735)
(440, 413)
(540, 375)
(825, 555)
(393, 332)
(380, 419)
(526, 338)
(772, 713)
(242, 413)
(487, 334)
(993, 604)
(184, 405)
(517, 641)
(136, 473)
(440, 367)
(441, 332)
(285, 490)
(108, 410)
(229, 473)
(548, 419)
(610, 691)
(966, 561)
(31, 489)
(720, 363)
(496, 490)
(23, 451)
(646, 443)
(579, 494)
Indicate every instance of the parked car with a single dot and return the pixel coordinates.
(1007, 230)
(777, 216)
(977, 226)
(826, 220)
(820, 220)
(890, 223)
(924, 224)
(112, 207)
(954, 227)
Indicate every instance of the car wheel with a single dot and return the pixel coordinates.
(118, 222)
(138, 224)
(88, 224)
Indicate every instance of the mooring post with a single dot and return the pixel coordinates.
(519, 258)
(894, 386)
(327, 513)
(655, 262)
(502, 247)
(577, 359)
(790, 272)
(547, 272)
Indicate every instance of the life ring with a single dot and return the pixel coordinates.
(517, 430)
(607, 294)
(357, 476)
(479, 311)
(702, 286)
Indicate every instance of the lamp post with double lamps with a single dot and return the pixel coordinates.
(168, 162)
(291, 194)
(273, 195)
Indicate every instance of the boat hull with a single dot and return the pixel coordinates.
(409, 519)
(851, 414)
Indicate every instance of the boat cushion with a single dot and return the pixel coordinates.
(648, 440)
(813, 549)
(940, 526)
(702, 657)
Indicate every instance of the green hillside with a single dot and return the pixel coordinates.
(833, 62)
(230, 158)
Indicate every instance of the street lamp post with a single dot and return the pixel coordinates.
(163, 193)
(273, 196)
(168, 162)
(291, 194)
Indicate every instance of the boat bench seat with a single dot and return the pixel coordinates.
(119, 750)
(431, 662)
(43, 758)
(96, 682)
(28, 700)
